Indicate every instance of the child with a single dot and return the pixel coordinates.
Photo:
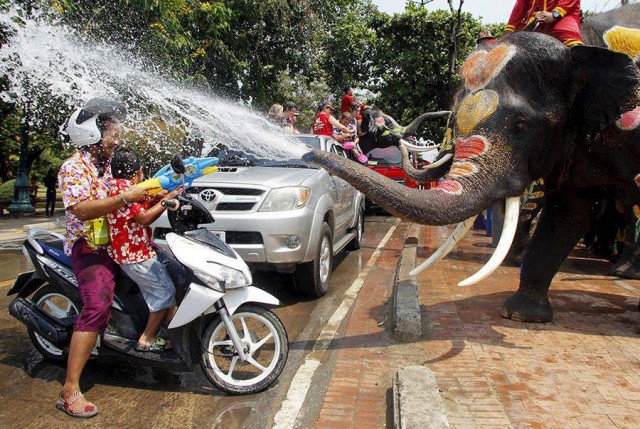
(130, 247)
(349, 139)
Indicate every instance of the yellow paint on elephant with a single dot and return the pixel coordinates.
(462, 169)
(624, 40)
(475, 108)
(636, 212)
(482, 66)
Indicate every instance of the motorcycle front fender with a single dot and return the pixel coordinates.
(198, 299)
(234, 298)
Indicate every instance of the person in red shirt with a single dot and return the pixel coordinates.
(558, 18)
(347, 99)
(130, 247)
(325, 122)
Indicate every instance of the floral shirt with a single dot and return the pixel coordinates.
(79, 181)
(130, 242)
(352, 130)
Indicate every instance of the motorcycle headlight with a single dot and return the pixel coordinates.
(209, 280)
(289, 198)
(230, 277)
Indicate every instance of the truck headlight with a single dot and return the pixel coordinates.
(289, 198)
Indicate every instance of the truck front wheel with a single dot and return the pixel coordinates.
(312, 278)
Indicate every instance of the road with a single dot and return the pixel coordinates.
(144, 397)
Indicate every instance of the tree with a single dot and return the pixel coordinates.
(417, 61)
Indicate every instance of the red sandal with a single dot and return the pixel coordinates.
(65, 405)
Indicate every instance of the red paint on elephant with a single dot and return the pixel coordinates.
(470, 147)
(629, 120)
(449, 186)
(637, 180)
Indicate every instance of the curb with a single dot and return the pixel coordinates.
(416, 399)
(407, 320)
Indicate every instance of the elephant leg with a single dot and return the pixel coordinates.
(565, 218)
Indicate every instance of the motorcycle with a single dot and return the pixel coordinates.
(222, 321)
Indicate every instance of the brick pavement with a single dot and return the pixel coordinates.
(581, 370)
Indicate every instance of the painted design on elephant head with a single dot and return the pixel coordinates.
(471, 147)
(475, 108)
(629, 120)
(482, 66)
(637, 180)
(623, 40)
(459, 169)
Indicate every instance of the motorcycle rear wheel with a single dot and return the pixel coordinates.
(58, 305)
(266, 346)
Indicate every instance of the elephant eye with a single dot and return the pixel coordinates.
(521, 125)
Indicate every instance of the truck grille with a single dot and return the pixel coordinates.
(235, 207)
(220, 198)
(232, 237)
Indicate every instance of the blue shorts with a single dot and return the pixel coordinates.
(154, 283)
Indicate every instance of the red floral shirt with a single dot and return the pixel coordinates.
(130, 242)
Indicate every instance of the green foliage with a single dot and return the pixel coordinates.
(412, 62)
(264, 51)
(6, 190)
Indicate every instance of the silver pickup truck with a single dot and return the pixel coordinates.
(284, 215)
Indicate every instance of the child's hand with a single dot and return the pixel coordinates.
(173, 193)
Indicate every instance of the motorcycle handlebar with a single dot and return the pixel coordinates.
(170, 204)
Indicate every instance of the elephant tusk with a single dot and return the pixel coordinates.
(439, 162)
(417, 148)
(446, 247)
(508, 233)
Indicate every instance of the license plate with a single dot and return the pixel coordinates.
(220, 234)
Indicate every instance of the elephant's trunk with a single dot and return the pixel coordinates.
(413, 126)
(426, 174)
(451, 201)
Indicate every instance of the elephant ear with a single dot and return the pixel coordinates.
(605, 85)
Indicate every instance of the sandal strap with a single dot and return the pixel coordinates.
(73, 398)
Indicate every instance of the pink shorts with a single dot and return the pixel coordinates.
(96, 273)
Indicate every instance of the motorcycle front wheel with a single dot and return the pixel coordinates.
(265, 344)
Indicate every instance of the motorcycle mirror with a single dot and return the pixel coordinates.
(177, 165)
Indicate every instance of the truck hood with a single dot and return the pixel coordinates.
(273, 177)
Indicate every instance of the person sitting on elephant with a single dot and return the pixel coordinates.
(559, 18)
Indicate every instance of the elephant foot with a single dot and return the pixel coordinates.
(528, 307)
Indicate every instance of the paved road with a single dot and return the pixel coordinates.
(146, 397)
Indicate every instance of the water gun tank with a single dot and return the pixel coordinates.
(167, 179)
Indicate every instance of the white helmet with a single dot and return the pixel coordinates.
(82, 128)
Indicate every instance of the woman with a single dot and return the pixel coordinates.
(325, 122)
(84, 178)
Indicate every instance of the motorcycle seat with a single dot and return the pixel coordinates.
(55, 249)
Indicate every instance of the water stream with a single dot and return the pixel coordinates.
(41, 54)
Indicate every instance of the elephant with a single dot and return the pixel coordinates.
(528, 108)
(379, 130)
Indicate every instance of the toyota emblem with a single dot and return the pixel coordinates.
(208, 195)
